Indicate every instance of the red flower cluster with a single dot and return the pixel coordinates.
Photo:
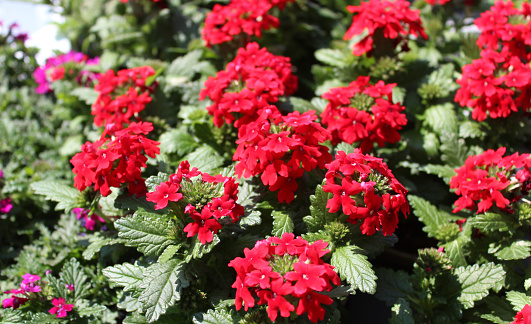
(393, 19)
(523, 316)
(365, 189)
(251, 82)
(206, 204)
(440, 2)
(499, 82)
(363, 113)
(110, 162)
(280, 149)
(282, 272)
(121, 96)
(240, 16)
(485, 176)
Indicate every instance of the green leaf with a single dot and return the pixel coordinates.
(97, 242)
(490, 222)
(130, 303)
(44, 318)
(345, 147)
(205, 158)
(373, 245)
(301, 105)
(135, 318)
(282, 223)
(10, 316)
(88, 95)
(402, 313)
(470, 129)
(398, 95)
(168, 253)
(198, 249)
(252, 219)
(73, 273)
(353, 267)
(184, 66)
(214, 316)
(162, 287)
(517, 250)
(91, 310)
(126, 275)
(494, 319)
(65, 195)
(431, 144)
(527, 283)
(332, 57)
(392, 285)
(319, 213)
(518, 300)
(441, 118)
(428, 214)
(455, 251)
(149, 233)
(453, 149)
(327, 85)
(442, 171)
(177, 141)
(476, 280)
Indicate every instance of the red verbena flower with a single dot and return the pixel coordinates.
(363, 113)
(523, 316)
(393, 20)
(249, 85)
(485, 178)
(282, 272)
(365, 190)
(280, 149)
(110, 162)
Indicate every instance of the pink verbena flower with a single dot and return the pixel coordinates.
(60, 307)
(523, 316)
(88, 222)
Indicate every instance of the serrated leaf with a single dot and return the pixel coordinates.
(10, 316)
(392, 285)
(217, 316)
(516, 250)
(149, 233)
(455, 251)
(301, 105)
(184, 66)
(527, 283)
(88, 95)
(198, 249)
(494, 319)
(518, 300)
(490, 222)
(345, 147)
(168, 253)
(130, 303)
(442, 171)
(282, 223)
(476, 280)
(332, 57)
(341, 291)
(453, 149)
(97, 242)
(153, 181)
(441, 118)
(353, 267)
(205, 158)
(398, 95)
(73, 273)
(42, 318)
(162, 287)
(319, 213)
(126, 275)
(135, 318)
(252, 219)
(470, 129)
(177, 141)
(65, 195)
(428, 214)
(91, 310)
(402, 313)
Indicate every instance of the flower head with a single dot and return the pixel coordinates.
(60, 307)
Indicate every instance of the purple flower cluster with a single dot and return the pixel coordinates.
(56, 69)
(87, 221)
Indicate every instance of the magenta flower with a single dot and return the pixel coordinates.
(87, 221)
(5, 206)
(28, 284)
(60, 307)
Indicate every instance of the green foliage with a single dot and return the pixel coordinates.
(476, 280)
(402, 313)
(67, 197)
(354, 268)
(282, 223)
